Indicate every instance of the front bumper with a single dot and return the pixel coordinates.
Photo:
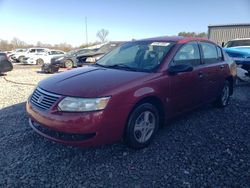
(58, 63)
(242, 61)
(83, 129)
(58, 135)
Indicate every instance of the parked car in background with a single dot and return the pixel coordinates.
(9, 54)
(130, 92)
(69, 59)
(15, 54)
(232, 65)
(42, 58)
(239, 50)
(30, 51)
(5, 64)
(92, 57)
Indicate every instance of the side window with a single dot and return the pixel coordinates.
(53, 53)
(209, 52)
(32, 51)
(220, 56)
(40, 50)
(188, 54)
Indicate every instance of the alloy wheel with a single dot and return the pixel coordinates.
(144, 126)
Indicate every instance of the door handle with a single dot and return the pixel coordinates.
(222, 67)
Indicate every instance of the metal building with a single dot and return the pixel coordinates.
(224, 33)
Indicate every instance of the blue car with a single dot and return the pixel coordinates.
(239, 50)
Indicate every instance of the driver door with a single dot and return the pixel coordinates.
(186, 88)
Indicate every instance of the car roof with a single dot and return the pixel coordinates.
(39, 48)
(177, 39)
(240, 39)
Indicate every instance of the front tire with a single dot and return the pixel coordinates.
(224, 96)
(68, 64)
(20, 58)
(142, 126)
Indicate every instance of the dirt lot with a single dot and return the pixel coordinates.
(205, 148)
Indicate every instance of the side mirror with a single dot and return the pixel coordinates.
(175, 69)
(223, 44)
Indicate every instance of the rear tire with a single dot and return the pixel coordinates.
(224, 96)
(142, 126)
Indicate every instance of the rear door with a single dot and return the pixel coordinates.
(214, 70)
(186, 89)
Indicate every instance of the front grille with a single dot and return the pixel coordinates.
(43, 99)
(61, 135)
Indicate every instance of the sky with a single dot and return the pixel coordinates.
(59, 21)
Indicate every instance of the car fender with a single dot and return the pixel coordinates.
(143, 92)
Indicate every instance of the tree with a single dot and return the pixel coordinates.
(102, 35)
(193, 34)
(5, 45)
(17, 43)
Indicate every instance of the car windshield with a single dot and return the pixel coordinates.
(235, 43)
(82, 51)
(107, 47)
(71, 52)
(137, 56)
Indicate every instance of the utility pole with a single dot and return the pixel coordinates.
(86, 27)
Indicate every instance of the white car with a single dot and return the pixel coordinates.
(30, 51)
(42, 58)
(15, 53)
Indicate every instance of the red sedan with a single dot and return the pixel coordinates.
(130, 92)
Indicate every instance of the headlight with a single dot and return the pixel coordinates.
(91, 60)
(72, 104)
(61, 58)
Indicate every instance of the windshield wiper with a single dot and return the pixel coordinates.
(98, 65)
(122, 66)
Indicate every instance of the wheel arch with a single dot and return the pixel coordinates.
(154, 100)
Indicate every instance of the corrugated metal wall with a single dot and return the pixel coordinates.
(225, 33)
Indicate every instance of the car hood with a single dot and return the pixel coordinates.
(238, 50)
(89, 81)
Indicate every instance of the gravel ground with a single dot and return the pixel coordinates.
(206, 148)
